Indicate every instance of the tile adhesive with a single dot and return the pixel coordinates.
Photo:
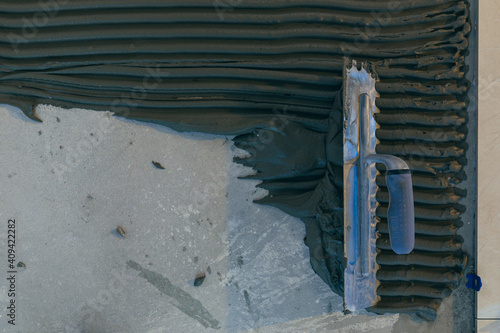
(270, 73)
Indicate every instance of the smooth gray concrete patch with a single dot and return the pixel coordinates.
(71, 180)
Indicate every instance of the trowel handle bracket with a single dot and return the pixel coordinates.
(400, 214)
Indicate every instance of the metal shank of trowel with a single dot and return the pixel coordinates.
(400, 215)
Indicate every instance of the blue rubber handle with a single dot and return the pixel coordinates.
(401, 216)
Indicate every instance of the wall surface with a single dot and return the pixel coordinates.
(489, 156)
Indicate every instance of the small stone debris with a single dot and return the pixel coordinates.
(21, 264)
(120, 232)
(199, 279)
(158, 165)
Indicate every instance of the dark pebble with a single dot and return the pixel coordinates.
(199, 279)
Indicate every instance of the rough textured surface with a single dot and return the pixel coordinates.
(68, 191)
(276, 66)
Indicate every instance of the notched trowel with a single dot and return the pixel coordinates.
(360, 203)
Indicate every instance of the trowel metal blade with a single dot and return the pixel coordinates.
(360, 204)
